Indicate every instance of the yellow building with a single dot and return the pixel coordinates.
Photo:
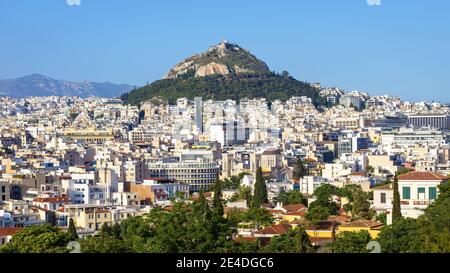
(373, 227)
(88, 216)
(89, 135)
(320, 233)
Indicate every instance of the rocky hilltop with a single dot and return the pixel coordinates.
(222, 59)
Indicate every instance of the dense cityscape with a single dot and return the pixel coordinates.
(134, 134)
(267, 176)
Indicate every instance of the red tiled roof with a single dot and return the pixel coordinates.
(9, 231)
(52, 199)
(423, 176)
(264, 240)
(294, 207)
(275, 211)
(358, 174)
(319, 240)
(339, 219)
(362, 223)
(271, 152)
(297, 213)
(276, 229)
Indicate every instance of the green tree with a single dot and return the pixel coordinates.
(400, 237)
(403, 170)
(201, 207)
(361, 206)
(136, 231)
(72, 231)
(324, 195)
(351, 242)
(243, 193)
(258, 216)
(299, 168)
(294, 241)
(435, 223)
(291, 197)
(104, 244)
(283, 197)
(242, 246)
(382, 217)
(396, 208)
(73, 116)
(217, 201)
(106, 230)
(348, 191)
(260, 191)
(220, 87)
(325, 192)
(296, 197)
(38, 239)
(316, 214)
(116, 230)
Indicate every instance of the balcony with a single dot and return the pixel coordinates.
(416, 202)
(421, 202)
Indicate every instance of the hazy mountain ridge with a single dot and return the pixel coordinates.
(40, 85)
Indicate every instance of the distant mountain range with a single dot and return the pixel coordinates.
(40, 85)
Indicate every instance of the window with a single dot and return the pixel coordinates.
(421, 193)
(383, 198)
(406, 193)
(3, 189)
(432, 193)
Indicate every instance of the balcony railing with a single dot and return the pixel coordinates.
(416, 202)
(421, 202)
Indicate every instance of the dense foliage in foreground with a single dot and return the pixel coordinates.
(201, 227)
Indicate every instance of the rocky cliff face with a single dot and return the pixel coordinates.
(222, 59)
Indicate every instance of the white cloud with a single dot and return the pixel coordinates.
(374, 2)
(73, 2)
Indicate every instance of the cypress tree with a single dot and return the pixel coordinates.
(106, 230)
(217, 201)
(299, 168)
(116, 230)
(260, 192)
(72, 231)
(396, 209)
(202, 208)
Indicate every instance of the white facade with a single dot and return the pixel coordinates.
(416, 194)
(309, 183)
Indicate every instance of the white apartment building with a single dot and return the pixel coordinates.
(86, 192)
(197, 174)
(417, 191)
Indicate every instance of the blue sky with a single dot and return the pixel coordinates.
(401, 47)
